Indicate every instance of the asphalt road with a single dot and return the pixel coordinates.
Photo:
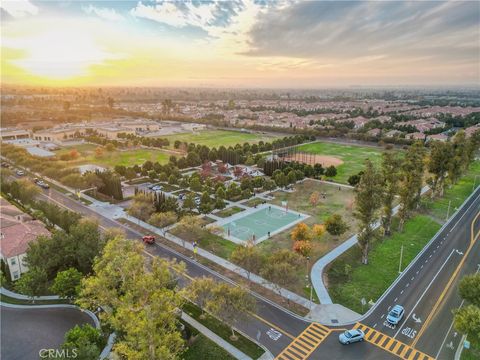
(425, 285)
(26, 331)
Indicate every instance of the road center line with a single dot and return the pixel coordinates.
(425, 291)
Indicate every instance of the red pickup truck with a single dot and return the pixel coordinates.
(148, 239)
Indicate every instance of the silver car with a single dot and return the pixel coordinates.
(351, 336)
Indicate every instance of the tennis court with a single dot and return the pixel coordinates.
(255, 225)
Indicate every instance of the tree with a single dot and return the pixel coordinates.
(247, 257)
(109, 147)
(32, 283)
(189, 202)
(319, 230)
(368, 200)
(28, 191)
(230, 303)
(195, 184)
(86, 340)
(200, 291)
(280, 179)
(391, 165)
(66, 106)
(205, 203)
(314, 198)
(66, 283)
(467, 321)
(162, 219)
(331, 171)
(98, 152)
(335, 225)
(355, 179)
(301, 232)
(303, 247)
(142, 207)
(281, 274)
(130, 173)
(411, 180)
(291, 177)
(439, 163)
(142, 301)
(469, 289)
(110, 102)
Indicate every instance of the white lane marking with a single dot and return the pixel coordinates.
(413, 277)
(381, 317)
(375, 325)
(401, 292)
(421, 267)
(425, 291)
(417, 272)
(408, 284)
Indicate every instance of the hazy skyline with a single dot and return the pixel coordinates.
(240, 43)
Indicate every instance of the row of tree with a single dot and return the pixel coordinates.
(403, 176)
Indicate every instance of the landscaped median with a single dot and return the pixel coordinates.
(349, 281)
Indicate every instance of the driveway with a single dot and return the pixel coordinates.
(25, 331)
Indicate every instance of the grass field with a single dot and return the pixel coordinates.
(350, 281)
(216, 138)
(116, 157)
(353, 156)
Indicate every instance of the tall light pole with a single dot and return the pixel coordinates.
(400, 262)
(474, 182)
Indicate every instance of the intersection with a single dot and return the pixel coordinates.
(424, 288)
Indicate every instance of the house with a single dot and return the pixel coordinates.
(14, 134)
(471, 130)
(374, 132)
(17, 231)
(193, 127)
(393, 133)
(416, 136)
(437, 137)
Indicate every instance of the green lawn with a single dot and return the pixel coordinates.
(204, 348)
(456, 195)
(221, 329)
(353, 157)
(349, 280)
(116, 157)
(216, 138)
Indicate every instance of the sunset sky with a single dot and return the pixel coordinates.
(240, 43)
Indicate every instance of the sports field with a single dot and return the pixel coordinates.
(216, 138)
(257, 224)
(353, 156)
(115, 157)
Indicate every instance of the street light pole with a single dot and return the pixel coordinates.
(474, 182)
(448, 210)
(400, 263)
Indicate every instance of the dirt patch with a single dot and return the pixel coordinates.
(313, 159)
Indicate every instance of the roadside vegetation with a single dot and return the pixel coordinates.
(367, 270)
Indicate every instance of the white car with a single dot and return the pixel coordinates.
(156, 188)
(351, 336)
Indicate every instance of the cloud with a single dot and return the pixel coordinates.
(368, 31)
(104, 13)
(19, 8)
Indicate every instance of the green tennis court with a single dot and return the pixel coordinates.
(256, 225)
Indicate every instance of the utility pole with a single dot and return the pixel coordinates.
(400, 262)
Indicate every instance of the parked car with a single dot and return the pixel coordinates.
(148, 239)
(5, 165)
(351, 336)
(396, 314)
(20, 172)
(182, 197)
(43, 184)
(156, 188)
(151, 186)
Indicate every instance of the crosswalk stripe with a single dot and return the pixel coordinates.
(304, 344)
(391, 345)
